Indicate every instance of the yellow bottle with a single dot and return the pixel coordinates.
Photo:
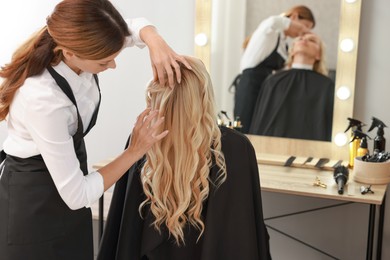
(363, 148)
(353, 148)
(354, 125)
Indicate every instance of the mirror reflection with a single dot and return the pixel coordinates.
(297, 102)
(223, 22)
(299, 94)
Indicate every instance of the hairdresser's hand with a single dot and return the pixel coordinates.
(146, 132)
(165, 62)
(297, 29)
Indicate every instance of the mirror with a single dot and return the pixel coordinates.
(217, 19)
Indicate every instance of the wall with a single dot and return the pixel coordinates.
(373, 78)
(342, 230)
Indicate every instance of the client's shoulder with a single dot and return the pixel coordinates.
(233, 137)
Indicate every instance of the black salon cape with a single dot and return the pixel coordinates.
(233, 216)
(295, 103)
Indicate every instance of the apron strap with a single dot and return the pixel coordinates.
(78, 137)
(65, 87)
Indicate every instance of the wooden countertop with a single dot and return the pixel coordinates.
(292, 180)
(299, 181)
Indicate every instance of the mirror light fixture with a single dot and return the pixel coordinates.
(343, 92)
(346, 45)
(350, 1)
(341, 139)
(201, 39)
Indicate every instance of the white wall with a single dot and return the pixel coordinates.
(341, 231)
(373, 78)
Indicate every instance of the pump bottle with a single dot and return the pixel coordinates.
(363, 148)
(379, 140)
(354, 144)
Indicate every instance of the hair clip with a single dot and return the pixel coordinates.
(318, 183)
(365, 190)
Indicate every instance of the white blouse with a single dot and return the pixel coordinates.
(42, 120)
(263, 41)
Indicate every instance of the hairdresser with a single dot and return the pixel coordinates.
(265, 51)
(50, 100)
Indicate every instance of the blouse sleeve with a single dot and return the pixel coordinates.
(263, 41)
(135, 26)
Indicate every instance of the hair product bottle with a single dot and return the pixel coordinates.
(363, 148)
(379, 140)
(354, 144)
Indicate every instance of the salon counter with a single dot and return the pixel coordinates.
(296, 181)
(300, 181)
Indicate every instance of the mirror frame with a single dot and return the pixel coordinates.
(346, 73)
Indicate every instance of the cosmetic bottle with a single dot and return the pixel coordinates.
(363, 148)
(379, 140)
(354, 144)
(228, 122)
(237, 124)
(220, 120)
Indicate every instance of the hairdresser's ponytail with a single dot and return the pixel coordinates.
(30, 59)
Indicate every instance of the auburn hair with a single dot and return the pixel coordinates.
(92, 29)
(304, 13)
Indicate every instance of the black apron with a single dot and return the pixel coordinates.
(35, 223)
(248, 84)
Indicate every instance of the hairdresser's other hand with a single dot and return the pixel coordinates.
(165, 62)
(146, 132)
(297, 29)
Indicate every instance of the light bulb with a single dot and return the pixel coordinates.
(347, 45)
(201, 39)
(340, 139)
(343, 92)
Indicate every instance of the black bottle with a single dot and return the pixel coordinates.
(380, 140)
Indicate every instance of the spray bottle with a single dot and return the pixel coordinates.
(379, 140)
(354, 144)
(229, 121)
(363, 147)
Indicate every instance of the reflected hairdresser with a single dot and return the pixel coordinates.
(265, 53)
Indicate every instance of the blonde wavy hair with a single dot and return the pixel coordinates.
(175, 176)
(319, 65)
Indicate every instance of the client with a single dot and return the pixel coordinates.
(196, 194)
(297, 102)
